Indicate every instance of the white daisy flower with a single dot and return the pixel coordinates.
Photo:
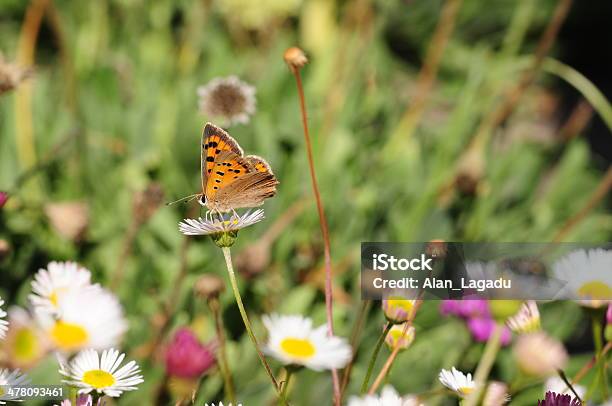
(3, 323)
(25, 343)
(556, 384)
(228, 100)
(457, 381)
(91, 372)
(293, 341)
(527, 320)
(588, 274)
(52, 284)
(11, 378)
(214, 225)
(88, 318)
(388, 397)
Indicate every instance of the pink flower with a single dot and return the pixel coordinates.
(82, 400)
(482, 328)
(466, 308)
(609, 314)
(186, 357)
(3, 198)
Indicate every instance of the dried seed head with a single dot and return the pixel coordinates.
(227, 100)
(209, 286)
(295, 58)
(254, 259)
(146, 202)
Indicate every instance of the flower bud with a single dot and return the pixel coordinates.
(209, 286)
(398, 310)
(295, 58)
(539, 354)
(502, 309)
(397, 338)
(496, 394)
(186, 357)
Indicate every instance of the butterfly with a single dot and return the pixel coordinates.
(231, 180)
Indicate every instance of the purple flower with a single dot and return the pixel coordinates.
(555, 399)
(609, 314)
(3, 198)
(466, 308)
(477, 315)
(83, 400)
(186, 357)
(482, 328)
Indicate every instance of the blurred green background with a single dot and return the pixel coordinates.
(112, 108)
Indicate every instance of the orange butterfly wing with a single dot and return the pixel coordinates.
(228, 168)
(215, 141)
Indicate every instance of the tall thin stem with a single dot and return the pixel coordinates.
(387, 366)
(363, 311)
(599, 359)
(381, 340)
(485, 364)
(596, 197)
(427, 76)
(247, 324)
(213, 303)
(324, 229)
(285, 390)
(569, 384)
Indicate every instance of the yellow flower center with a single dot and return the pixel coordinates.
(98, 379)
(466, 390)
(68, 336)
(595, 290)
(299, 348)
(395, 303)
(25, 344)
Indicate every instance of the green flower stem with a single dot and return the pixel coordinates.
(381, 340)
(601, 378)
(247, 324)
(213, 303)
(485, 364)
(284, 392)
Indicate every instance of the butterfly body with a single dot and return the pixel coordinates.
(231, 180)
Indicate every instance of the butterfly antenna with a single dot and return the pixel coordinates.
(182, 199)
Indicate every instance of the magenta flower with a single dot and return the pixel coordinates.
(482, 328)
(477, 316)
(3, 198)
(186, 357)
(83, 400)
(466, 308)
(555, 399)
